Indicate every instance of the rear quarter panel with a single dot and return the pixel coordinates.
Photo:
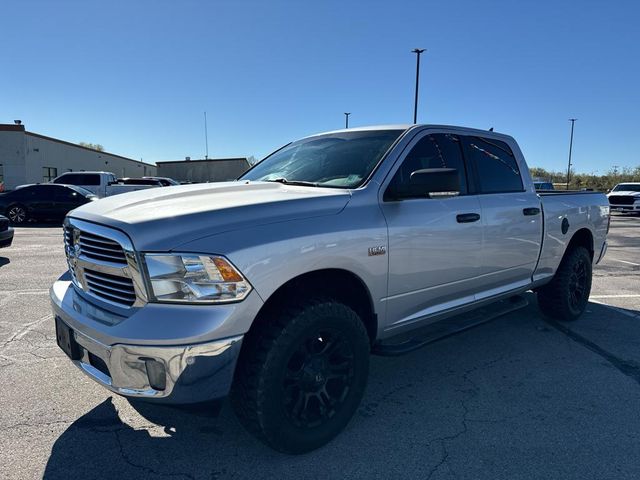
(582, 210)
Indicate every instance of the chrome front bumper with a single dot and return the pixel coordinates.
(168, 373)
(190, 373)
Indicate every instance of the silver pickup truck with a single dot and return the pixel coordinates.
(276, 287)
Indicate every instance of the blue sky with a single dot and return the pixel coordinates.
(136, 76)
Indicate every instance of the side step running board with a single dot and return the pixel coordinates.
(407, 342)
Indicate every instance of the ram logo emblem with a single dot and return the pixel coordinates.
(380, 250)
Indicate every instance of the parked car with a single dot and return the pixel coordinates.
(625, 197)
(276, 287)
(102, 184)
(165, 181)
(6, 232)
(140, 181)
(44, 201)
(543, 186)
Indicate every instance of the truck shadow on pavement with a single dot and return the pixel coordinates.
(101, 445)
(483, 404)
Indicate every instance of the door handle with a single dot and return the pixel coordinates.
(531, 211)
(467, 217)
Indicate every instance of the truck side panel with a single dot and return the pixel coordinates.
(579, 210)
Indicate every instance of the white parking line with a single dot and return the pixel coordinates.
(624, 261)
(619, 310)
(23, 292)
(614, 296)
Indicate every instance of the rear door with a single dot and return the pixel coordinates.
(511, 214)
(66, 199)
(435, 244)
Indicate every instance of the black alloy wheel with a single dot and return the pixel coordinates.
(17, 214)
(577, 283)
(318, 378)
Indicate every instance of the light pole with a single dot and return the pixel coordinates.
(573, 121)
(346, 119)
(206, 138)
(417, 51)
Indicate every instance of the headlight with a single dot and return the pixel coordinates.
(194, 278)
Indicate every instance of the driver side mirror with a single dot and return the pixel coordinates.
(428, 182)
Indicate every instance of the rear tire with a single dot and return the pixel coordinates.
(17, 214)
(301, 375)
(567, 295)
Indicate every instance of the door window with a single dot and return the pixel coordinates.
(496, 165)
(63, 194)
(438, 150)
(41, 193)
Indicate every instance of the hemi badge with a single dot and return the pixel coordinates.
(381, 250)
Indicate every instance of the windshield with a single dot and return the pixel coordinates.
(342, 160)
(627, 187)
(83, 191)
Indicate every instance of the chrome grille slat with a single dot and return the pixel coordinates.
(91, 252)
(94, 243)
(92, 276)
(112, 298)
(101, 242)
(107, 286)
(117, 295)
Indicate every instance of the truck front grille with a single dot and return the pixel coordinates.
(103, 264)
(621, 200)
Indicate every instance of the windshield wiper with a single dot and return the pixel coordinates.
(293, 182)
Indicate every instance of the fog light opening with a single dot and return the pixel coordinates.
(156, 374)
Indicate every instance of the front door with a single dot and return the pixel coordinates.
(435, 244)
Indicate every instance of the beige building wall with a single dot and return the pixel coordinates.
(32, 158)
(200, 171)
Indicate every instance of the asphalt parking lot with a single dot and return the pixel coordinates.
(516, 398)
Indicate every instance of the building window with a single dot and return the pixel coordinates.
(49, 173)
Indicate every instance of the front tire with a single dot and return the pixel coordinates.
(567, 295)
(17, 214)
(301, 375)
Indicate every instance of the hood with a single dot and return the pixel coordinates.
(624, 193)
(160, 219)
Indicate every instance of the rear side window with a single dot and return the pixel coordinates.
(439, 150)
(496, 165)
(65, 193)
(41, 192)
(79, 179)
